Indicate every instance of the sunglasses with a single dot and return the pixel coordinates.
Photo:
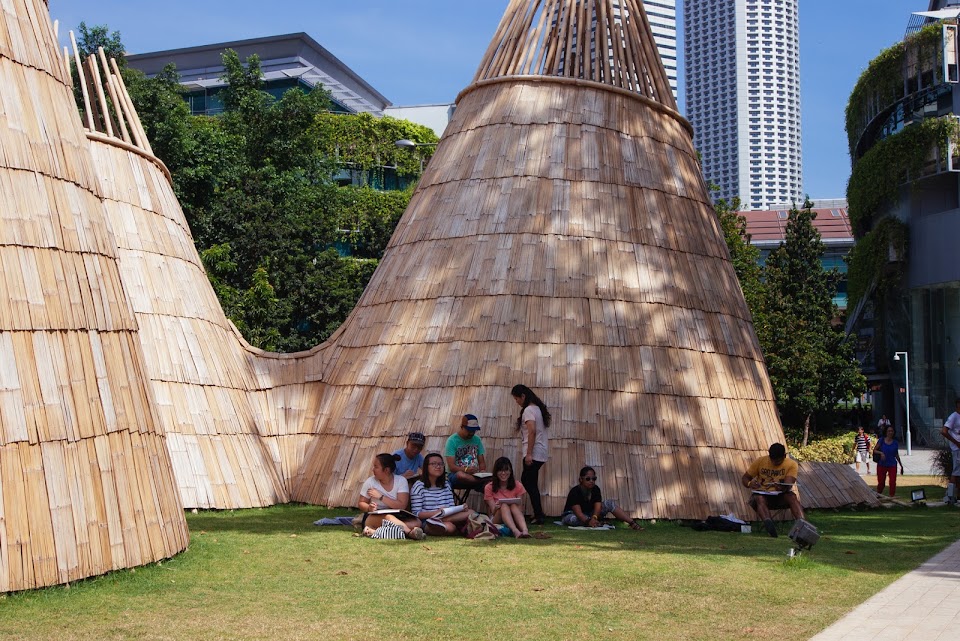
(589, 478)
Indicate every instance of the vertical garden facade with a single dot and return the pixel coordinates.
(904, 205)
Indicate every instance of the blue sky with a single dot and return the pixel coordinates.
(426, 51)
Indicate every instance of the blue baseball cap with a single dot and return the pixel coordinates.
(470, 422)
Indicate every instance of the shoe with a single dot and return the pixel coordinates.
(771, 528)
(538, 520)
(523, 535)
(417, 534)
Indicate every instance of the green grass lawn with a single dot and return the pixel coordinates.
(270, 574)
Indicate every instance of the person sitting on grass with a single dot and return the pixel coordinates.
(410, 463)
(585, 505)
(464, 454)
(504, 495)
(772, 478)
(386, 490)
(431, 494)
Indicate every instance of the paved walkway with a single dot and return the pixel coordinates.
(920, 462)
(923, 605)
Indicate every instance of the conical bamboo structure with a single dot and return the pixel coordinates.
(561, 237)
(85, 479)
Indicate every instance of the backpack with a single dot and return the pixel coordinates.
(480, 526)
(717, 523)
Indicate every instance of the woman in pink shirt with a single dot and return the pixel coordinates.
(504, 496)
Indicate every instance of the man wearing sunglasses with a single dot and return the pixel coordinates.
(586, 507)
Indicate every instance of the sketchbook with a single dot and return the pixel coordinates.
(447, 511)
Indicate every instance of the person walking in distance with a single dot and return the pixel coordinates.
(861, 443)
(882, 426)
(533, 422)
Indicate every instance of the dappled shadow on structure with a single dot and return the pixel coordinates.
(561, 237)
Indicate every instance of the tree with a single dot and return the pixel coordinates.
(256, 187)
(811, 365)
(89, 39)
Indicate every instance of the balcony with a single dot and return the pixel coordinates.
(908, 82)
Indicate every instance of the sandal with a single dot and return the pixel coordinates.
(523, 535)
(636, 526)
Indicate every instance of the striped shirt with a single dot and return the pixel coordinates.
(389, 531)
(425, 499)
(862, 442)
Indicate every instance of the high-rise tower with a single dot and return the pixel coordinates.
(662, 15)
(742, 68)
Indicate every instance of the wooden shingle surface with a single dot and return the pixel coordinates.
(86, 484)
(561, 237)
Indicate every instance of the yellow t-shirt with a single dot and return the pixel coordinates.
(770, 474)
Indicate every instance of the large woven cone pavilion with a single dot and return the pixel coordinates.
(562, 237)
(85, 479)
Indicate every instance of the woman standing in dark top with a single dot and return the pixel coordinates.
(889, 450)
(533, 422)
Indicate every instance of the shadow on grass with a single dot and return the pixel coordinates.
(851, 539)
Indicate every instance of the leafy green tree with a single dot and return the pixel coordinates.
(811, 366)
(256, 186)
(89, 39)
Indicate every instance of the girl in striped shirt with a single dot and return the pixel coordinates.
(862, 449)
(432, 494)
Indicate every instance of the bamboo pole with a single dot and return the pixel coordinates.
(139, 136)
(91, 74)
(114, 96)
(104, 107)
(66, 63)
(83, 83)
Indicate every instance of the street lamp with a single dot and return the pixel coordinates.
(906, 372)
(409, 144)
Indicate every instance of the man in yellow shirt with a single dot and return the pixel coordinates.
(771, 478)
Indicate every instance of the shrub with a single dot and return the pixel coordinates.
(834, 449)
(943, 463)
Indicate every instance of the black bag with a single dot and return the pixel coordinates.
(876, 457)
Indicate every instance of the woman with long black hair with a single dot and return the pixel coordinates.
(532, 423)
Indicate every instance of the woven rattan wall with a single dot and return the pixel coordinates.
(85, 479)
(561, 237)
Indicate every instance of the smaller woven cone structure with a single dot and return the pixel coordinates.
(562, 237)
(85, 479)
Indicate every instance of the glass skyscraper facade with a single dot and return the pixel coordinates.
(742, 89)
(662, 15)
